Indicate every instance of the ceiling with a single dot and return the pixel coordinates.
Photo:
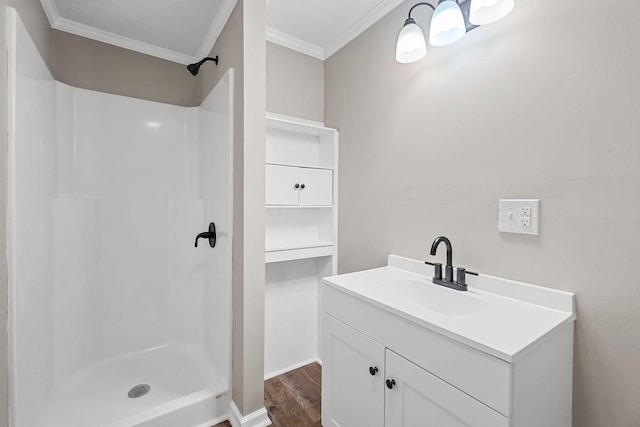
(184, 31)
(322, 27)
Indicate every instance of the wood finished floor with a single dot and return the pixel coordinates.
(293, 399)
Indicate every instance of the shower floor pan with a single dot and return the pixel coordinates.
(185, 389)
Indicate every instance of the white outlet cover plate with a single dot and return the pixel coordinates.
(510, 213)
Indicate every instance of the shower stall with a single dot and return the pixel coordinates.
(115, 318)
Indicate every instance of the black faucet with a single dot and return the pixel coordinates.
(460, 283)
(211, 235)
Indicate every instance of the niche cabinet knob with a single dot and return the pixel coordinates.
(373, 370)
(296, 186)
(302, 186)
(391, 384)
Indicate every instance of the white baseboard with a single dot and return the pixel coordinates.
(291, 368)
(258, 418)
(214, 421)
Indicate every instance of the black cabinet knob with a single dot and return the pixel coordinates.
(391, 384)
(302, 186)
(373, 370)
(296, 186)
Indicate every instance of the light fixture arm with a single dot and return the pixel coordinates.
(464, 6)
(423, 3)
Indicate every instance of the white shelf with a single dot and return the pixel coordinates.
(297, 125)
(287, 251)
(298, 206)
(292, 143)
(283, 245)
(300, 165)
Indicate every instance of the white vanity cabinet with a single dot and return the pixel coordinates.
(296, 186)
(399, 351)
(366, 384)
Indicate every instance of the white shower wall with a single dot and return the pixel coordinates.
(130, 161)
(31, 168)
(107, 194)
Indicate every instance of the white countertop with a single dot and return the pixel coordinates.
(501, 317)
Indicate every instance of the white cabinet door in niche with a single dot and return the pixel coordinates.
(293, 186)
(280, 185)
(316, 187)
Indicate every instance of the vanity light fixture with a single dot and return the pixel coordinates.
(447, 24)
(450, 21)
(483, 12)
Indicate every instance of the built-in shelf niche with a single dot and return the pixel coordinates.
(298, 230)
(296, 233)
(300, 236)
(300, 145)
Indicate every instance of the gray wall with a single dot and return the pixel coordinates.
(242, 46)
(543, 104)
(295, 83)
(94, 65)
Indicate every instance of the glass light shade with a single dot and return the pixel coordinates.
(411, 46)
(447, 24)
(483, 12)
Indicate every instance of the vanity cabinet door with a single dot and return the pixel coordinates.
(318, 187)
(352, 377)
(420, 399)
(280, 185)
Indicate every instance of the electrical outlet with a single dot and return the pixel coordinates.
(519, 216)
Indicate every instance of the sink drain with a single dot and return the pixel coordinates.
(138, 391)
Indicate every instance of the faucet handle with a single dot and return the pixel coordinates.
(437, 269)
(211, 235)
(461, 276)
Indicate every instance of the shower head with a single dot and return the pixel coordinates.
(194, 68)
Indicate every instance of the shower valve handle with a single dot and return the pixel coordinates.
(211, 235)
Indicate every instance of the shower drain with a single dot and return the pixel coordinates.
(138, 391)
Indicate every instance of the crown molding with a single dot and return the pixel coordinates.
(225, 11)
(220, 20)
(301, 46)
(374, 15)
(82, 30)
(73, 27)
(50, 10)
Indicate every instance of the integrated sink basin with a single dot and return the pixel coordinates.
(424, 295)
(499, 316)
